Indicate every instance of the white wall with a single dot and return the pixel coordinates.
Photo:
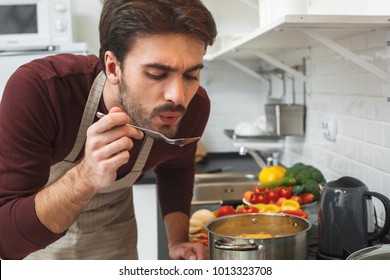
(357, 101)
(235, 98)
(86, 15)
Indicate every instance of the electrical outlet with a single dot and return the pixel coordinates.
(330, 129)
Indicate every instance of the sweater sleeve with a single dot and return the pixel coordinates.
(24, 165)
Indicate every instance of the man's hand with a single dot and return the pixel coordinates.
(177, 227)
(189, 251)
(107, 148)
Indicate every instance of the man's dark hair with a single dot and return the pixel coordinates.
(122, 22)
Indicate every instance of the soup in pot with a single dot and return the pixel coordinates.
(260, 235)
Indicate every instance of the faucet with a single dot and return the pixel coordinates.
(271, 158)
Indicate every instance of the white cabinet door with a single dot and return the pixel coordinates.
(145, 204)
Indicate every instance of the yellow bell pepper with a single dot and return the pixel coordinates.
(271, 174)
(270, 208)
(290, 204)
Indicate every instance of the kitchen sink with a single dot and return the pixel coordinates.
(225, 177)
(222, 187)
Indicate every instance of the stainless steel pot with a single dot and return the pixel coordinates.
(377, 252)
(289, 241)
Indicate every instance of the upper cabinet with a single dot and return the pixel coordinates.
(243, 34)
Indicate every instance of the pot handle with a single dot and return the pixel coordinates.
(219, 244)
(386, 203)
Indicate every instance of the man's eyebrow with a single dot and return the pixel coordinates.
(196, 67)
(172, 69)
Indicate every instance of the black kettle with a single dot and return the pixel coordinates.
(346, 218)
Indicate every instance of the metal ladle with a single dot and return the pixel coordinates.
(178, 141)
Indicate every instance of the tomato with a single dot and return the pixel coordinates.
(306, 198)
(247, 209)
(280, 201)
(248, 195)
(272, 196)
(225, 211)
(258, 198)
(285, 192)
(259, 189)
(297, 198)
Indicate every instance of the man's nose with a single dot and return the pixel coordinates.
(175, 92)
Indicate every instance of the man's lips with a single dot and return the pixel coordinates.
(169, 118)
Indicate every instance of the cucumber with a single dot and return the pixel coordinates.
(286, 181)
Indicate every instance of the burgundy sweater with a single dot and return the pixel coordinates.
(40, 114)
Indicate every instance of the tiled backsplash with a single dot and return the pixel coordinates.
(337, 90)
(235, 97)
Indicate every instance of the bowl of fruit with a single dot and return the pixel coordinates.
(287, 189)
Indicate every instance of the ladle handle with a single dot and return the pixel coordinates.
(386, 227)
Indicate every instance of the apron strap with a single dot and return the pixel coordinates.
(144, 154)
(59, 169)
(88, 115)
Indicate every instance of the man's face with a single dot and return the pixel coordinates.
(160, 77)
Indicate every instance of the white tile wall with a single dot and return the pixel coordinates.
(338, 89)
(235, 98)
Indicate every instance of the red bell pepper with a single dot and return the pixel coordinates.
(299, 213)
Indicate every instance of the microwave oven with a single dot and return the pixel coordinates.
(34, 24)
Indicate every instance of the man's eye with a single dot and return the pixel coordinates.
(191, 78)
(156, 77)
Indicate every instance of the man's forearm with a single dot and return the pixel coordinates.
(177, 227)
(58, 205)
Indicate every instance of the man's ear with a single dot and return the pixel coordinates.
(113, 70)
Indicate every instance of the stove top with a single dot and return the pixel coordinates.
(315, 254)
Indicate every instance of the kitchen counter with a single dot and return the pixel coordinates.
(228, 162)
(217, 162)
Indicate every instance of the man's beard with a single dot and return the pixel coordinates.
(140, 115)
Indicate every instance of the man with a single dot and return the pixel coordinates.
(65, 175)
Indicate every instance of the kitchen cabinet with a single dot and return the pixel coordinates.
(145, 207)
(292, 32)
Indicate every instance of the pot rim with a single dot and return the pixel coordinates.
(370, 251)
(309, 225)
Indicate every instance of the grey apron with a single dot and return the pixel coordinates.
(107, 227)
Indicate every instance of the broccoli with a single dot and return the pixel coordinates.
(310, 186)
(304, 178)
(294, 170)
(308, 178)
